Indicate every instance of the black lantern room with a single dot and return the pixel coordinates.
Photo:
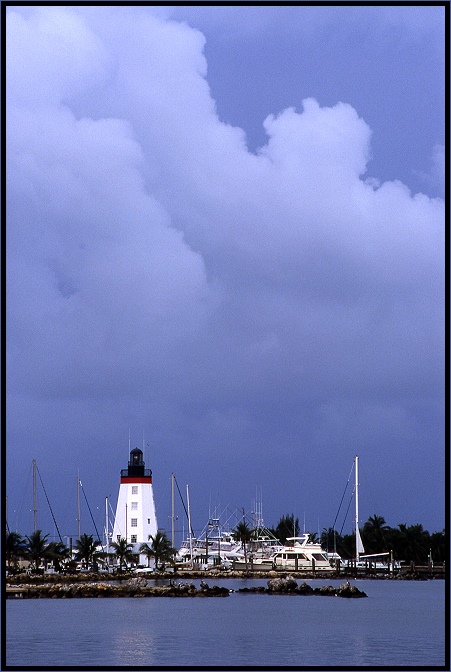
(136, 465)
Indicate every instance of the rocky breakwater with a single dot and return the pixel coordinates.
(134, 587)
(289, 585)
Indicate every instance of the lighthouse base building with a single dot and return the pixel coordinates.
(136, 518)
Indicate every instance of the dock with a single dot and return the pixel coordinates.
(16, 592)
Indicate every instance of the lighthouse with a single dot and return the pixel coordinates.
(136, 517)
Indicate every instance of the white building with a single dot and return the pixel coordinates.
(136, 518)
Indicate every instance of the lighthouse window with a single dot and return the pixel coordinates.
(134, 538)
(134, 506)
(148, 521)
(134, 489)
(134, 522)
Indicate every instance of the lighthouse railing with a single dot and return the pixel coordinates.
(136, 471)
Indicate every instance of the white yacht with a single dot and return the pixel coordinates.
(302, 555)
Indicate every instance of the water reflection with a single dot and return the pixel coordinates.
(132, 647)
(401, 623)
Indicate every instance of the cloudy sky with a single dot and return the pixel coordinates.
(225, 236)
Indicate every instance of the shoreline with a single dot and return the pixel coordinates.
(138, 587)
(213, 575)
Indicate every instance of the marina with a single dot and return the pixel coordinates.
(134, 544)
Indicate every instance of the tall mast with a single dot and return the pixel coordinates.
(107, 541)
(356, 508)
(78, 506)
(358, 540)
(189, 525)
(35, 510)
(172, 509)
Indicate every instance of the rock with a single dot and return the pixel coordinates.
(282, 585)
(346, 590)
(304, 589)
(326, 590)
(136, 582)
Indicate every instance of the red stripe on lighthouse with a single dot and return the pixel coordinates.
(136, 479)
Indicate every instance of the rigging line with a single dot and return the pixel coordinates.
(346, 486)
(48, 502)
(92, 518)
(346, 514)
(22, 501)
(187, 517)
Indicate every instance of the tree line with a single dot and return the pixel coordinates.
(39, 552)
(409, 543)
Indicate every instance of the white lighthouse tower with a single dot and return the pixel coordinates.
(136, 517)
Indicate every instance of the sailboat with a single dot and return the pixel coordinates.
(359, 548)
(374, 560)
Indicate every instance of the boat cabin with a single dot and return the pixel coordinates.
(302, 555)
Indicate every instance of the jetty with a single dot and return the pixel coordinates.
(137, 587)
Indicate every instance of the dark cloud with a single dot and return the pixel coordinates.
(261, 316)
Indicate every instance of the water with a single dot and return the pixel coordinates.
(400, 623)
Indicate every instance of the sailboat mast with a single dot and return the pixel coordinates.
(357, 508)
(189, 524)
(78, 506)
(172, 509)
(107, 541)
(35, 510)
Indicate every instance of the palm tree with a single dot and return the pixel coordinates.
(86, 548)
(438, 546)
(123, 551)
(160, 549)
(36, 547)
(57, 552)
(374, 534)
(329, 539)
(412, 543)
(243, 533)
(15, 548)
(287, 526)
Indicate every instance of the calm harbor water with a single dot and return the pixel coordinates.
(401, 623)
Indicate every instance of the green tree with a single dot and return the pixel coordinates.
(438, 546)
(411, 543)
(36, 548)
(86, 550)
(15, 548)
(123, 551)
(160, 549)
(374, 535)
(330, 540)
(243, 533)
(346, 547)
(287, 527)
(57, 552)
